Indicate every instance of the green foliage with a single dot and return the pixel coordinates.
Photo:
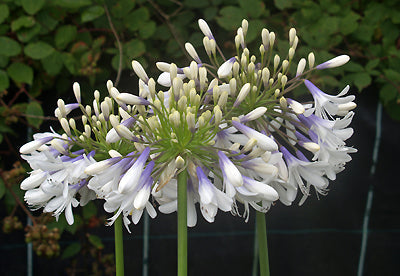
(71, 250)
(36, 111)
(20, 73)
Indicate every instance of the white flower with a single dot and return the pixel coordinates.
(263, 141)
(211, 198)
(56, 181)
(326, 106)
(133, 200)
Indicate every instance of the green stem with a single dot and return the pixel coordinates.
(262, 244)
(182, 223)
(119, 247)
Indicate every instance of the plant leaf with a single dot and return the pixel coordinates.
(32, 6)
(9, 47)
(20, 73)
(71, 250)
(92, 13)
(35, 109)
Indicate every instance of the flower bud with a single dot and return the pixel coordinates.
(265, 38)
(311, 60)
(77, 91)
(137, 67)
(292, 35)
(300, 67)
(276, 62)
(192, 52)
(242, 94)
(334, 62)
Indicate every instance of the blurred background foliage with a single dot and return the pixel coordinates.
(47, 45)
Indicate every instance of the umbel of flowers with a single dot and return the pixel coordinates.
(230, 125)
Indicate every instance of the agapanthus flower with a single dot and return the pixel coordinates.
(231, 125)
(259, 108)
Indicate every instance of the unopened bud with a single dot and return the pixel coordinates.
(311, 60)
(217, 115)
(192, 52)
(242, 94)
(292, 35)
(77, 91)
(300, 67)
(179, 162)
(276, 62)
(72, 123)
(137, 67)
(65, 126)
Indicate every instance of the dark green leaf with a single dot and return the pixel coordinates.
(9, 47)
(195, 3)
(364, 32)
(4, 29)
(46, 19)
(252, 8)
(348, 23)
(92, 13)
(122, 8)
(392, 75)
(361, 80)
(3, 61)
(137, 19)
(96, 241)
(23, 21)
(148, 29)
(210, 13)
(20, 73)
(4, 81)
(255, 27)
(115, 62)
(395, 16)
(32, 6)
(72, 4)
(53, 63)
(372, 64)
(98, 42)
(354, 67)
(4, 12)
(388, 93)
(25, 35)
(38, 50)
(34, 109)
(231, 17)
(70, 62)
(134, 48)
(283, 4)
(162, 33)
(71, 250)
(64, 35)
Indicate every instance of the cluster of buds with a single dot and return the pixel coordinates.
(44, 241)
(230, 124)
(11, 223)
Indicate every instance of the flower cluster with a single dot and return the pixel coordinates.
(229, 124)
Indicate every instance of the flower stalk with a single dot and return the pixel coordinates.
(262, 244)
(182, 223)
(119, 247)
